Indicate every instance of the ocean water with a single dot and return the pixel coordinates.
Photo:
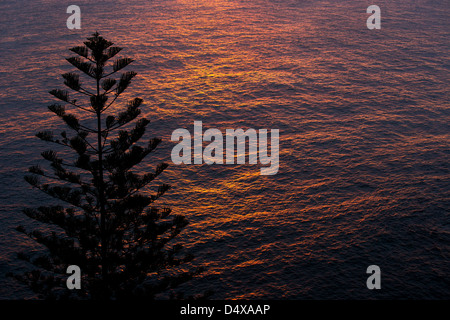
(364, 136)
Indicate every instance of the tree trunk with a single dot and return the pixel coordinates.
(101, 192)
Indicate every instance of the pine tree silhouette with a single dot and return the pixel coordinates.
(109, 227)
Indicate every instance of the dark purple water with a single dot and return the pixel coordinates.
(364, 136)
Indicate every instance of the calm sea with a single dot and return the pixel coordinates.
(364, 136)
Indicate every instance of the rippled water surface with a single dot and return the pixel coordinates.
(364, 135)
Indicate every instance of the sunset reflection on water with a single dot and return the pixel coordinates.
(363, 119)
